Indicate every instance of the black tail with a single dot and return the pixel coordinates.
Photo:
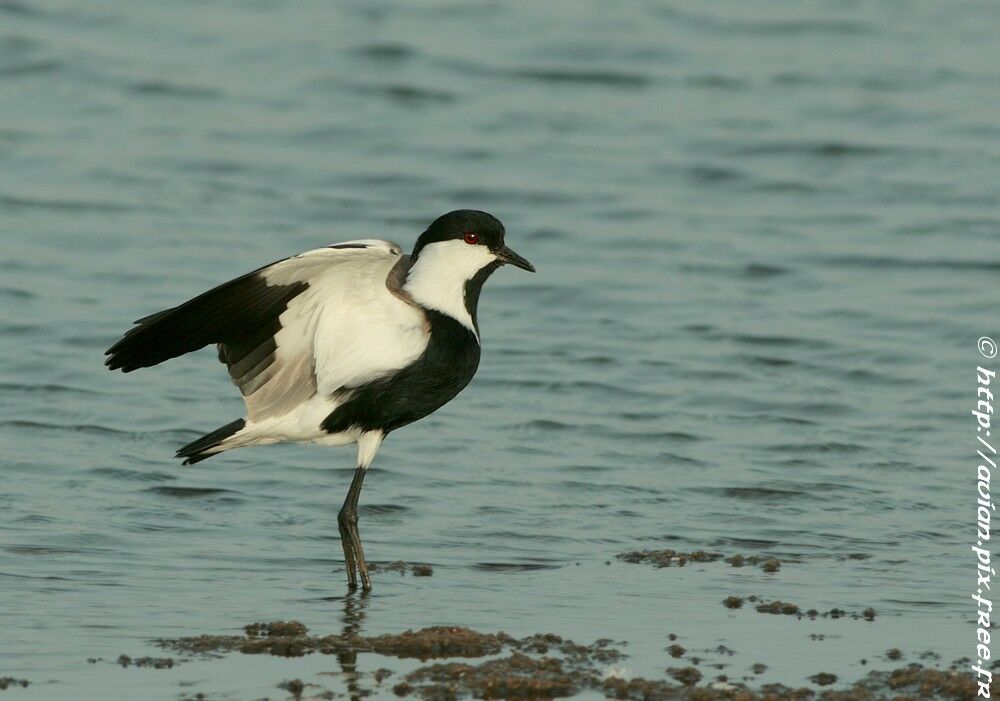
(196, 451)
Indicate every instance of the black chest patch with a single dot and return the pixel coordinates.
(445, 368)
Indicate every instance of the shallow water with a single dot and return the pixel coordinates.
(766, 237)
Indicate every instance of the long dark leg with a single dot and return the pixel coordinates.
(348, 543)
(347, 519)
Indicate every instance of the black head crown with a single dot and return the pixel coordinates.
(487, 230)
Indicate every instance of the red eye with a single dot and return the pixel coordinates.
(471, 237)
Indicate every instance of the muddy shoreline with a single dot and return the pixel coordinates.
(457, 662)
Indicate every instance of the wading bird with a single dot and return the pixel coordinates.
(338, 345)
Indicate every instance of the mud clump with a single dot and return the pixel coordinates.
(767, 563)
(278, 638)
(418, 570)
(688, 676)
(439, 641)
(275, 629)
(823, 679)
(148, 662)
(778, 607)
(676, 651)
(285, 639)
(154, 662)
(668, 557)
(784, 693)
(674, 558)
(295, 687)
(11, 682)
(544, 643)
(394, 566)
(789, 609)
(515, 677)
(293, 646)
(203, 644)
(933, 683)
(639, 688)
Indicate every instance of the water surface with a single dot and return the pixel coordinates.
(766, 241)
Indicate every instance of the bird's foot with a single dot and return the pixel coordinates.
(354, 554)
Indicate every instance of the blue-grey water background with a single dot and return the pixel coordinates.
(766, 241)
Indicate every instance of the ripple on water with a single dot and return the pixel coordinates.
(779, 340)
(383, 509)
(93, 429)
(536, 197)
(817, 447)
(669, 436)
(709, 174)
(388, 52)
(49, 550)
(768, 361)
(31, 68)
(515, 567)
(675, 458)
(179, 492)
(898, 263)
(545, 425)
(817, 149)
(118, 473)
(410, 95)
(619, 487)
(47, 389)
(572, 76)
(164, 88)
(13, 7)
(595, 469)
(17, 293)
(752, 493)
(715, 81)
(48, 204)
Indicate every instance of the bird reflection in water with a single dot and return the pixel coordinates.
(354, 616)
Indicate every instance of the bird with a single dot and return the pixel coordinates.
(338, 345)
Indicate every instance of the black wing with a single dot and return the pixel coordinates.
(240, 315)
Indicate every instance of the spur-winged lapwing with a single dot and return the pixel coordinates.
(338, 345)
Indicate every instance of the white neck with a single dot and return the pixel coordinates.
(437, 280)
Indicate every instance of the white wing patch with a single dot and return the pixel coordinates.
(346, 329)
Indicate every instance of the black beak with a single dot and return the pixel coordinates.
(505, 255)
